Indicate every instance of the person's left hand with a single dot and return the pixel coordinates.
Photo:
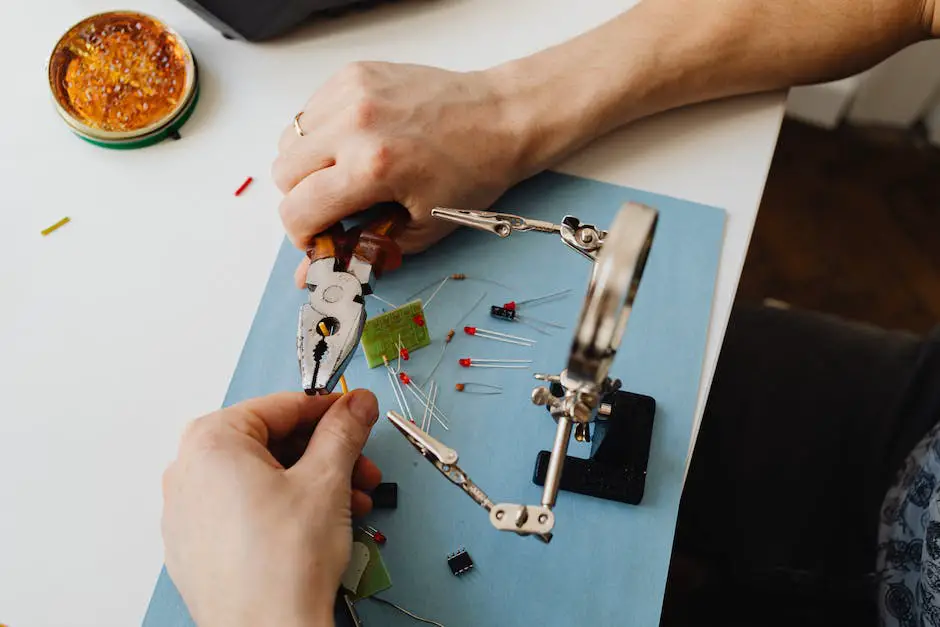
(251, 539)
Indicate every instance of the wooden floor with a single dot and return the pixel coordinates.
(850, 224)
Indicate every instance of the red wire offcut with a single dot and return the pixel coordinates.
(247, 182)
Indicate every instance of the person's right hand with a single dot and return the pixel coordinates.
(416, 135)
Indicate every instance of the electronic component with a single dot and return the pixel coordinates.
(381, 334)
(478, 388)
(510, 315)
(374, 533)
(503, 313)
(475, 362)
(459, 562)
(499, 337)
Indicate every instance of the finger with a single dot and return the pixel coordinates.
(300, 274)
(306, 156)
(340, 435)
(420, 235)
(360, 504)
(324, 198)
(276, 415)
(366, 475)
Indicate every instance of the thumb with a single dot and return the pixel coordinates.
(340, 435)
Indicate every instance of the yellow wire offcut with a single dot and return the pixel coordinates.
(52, 229)
(342, 378)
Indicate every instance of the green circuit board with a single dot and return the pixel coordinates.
(381, 333)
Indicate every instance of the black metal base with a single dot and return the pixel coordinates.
(616, 470)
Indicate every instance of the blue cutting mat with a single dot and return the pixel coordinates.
(608, 561)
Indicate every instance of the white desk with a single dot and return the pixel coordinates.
(126, 323)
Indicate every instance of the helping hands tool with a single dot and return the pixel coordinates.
(620, 257)
(584, 238)
(343, 267)
(445, 458)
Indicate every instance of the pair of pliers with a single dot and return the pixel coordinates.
(343, 267)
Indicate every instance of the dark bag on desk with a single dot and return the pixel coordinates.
(256, 20)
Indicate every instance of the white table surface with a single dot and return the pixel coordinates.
(126, 323)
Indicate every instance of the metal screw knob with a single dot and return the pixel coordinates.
(542, 396)
(581, 412)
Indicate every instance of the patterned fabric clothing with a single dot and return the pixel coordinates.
(908, 558)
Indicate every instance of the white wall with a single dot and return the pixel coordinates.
(896, 93)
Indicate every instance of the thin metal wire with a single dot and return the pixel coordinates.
(499, 338)
(440, 358)
(545, 298)
(434, 293)
(423, 289)
(427, 408)
(422, 398)
(503, 285)
(407, 613)
(396, 387)
(391, 382)
(379, 298)
(540, 321)
(469, 311)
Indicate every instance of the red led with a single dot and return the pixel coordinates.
(464, 361)
(511, 305)
(374, 533)
(404, 353)
(404, 378)
(419, 320)
(470, 330)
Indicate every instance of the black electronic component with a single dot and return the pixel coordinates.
(459, 562)
(616, 470)
(385, 496)
(502, 312)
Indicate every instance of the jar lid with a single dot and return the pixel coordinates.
(123, 79)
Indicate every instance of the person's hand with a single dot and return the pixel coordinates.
(416, 135)
(251, 540)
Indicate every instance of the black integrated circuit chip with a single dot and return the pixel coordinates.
(459, 562)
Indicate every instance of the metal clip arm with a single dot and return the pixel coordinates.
(506, 517)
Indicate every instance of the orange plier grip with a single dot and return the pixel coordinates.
(372, 243)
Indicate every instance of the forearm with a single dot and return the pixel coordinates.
(664, 54)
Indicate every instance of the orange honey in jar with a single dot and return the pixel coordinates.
(123, 79)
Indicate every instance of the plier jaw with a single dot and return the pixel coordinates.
(342, 269)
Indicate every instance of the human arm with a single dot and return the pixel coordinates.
(664, 54)
(253, 539)
(425, 136)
